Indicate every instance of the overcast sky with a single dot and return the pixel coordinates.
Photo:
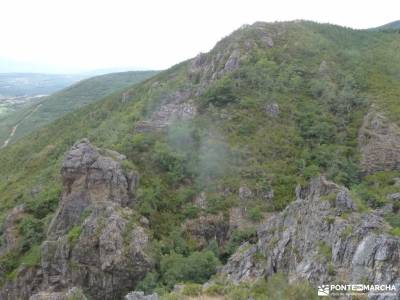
(79, 35)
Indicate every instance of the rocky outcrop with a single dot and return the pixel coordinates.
(166, 115)
(93, 242)
(379, 142)
(321, 238)
(89, 178)
(140, 296)
(10, 230)
(72, 293)
(272, 109)
(230, 53)
(207, 228)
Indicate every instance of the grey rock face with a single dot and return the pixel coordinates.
(243, 265)
(311, 240)
(10, 230)
(207, 228)
(379, 142)
(201, 200)
(395, 196)
(174, 111)
(344, 202)
(245, 193)
(72, 293)
(26, 283)
(272, 109)
(92, 242)
(140, 296)
(88, 178)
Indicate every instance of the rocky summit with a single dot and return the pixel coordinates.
(262, 169)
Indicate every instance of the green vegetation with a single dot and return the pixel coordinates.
(67, 100)
(74, 234)
(325, 250)
(276, 287)
(323, 79)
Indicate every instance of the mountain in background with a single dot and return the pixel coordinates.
(392, 25)
(259, 170)
(41, 111)
(33, 84)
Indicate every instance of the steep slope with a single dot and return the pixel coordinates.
(220, 143)
(48, 109)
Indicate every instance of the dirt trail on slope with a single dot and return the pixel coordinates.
(14, 129)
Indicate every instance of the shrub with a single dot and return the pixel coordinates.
(44, 203)
(149, 283)
(74, 234)
(32, 232)
(196, 268)
(221, 93)
(255, 214)
(192, 289)
(395, 231)
(325, 250)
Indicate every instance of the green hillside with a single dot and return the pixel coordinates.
(67, 100)
(275, 105)
(390, 26)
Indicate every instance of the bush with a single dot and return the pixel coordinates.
(8, 263)
(74, 234)
(192, 289)
(44, 203)
(196, 268)
(255, 214)
(395, 231)
(149, 283)
(32, 232)
(221, 93)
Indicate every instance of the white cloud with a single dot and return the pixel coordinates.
(89, 34)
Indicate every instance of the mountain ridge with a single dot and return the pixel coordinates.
(222, 143)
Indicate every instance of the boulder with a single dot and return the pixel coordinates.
(272, 109)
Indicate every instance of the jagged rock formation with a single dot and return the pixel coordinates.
(92, 242)
(379, 142)
(322, 238)
(228, 55)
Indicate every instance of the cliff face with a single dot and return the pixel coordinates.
(323, 238)
(92, 241)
